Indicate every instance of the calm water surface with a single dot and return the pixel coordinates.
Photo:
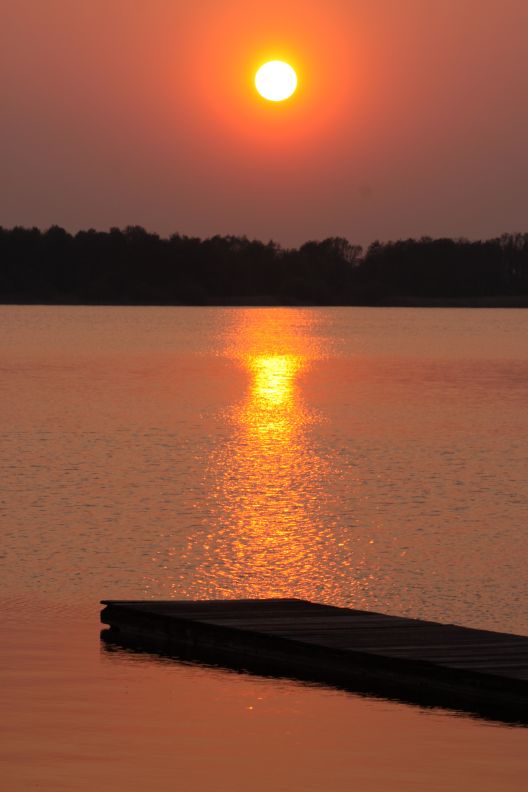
(366, 457)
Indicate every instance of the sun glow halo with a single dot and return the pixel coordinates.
(276, 81)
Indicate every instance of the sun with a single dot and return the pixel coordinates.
(276, 81)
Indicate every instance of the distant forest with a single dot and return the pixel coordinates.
(135, 267)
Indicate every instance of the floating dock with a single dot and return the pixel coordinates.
(405, 659)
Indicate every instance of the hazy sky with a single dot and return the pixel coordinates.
(411, 117)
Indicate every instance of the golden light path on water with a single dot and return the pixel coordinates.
(266, 534)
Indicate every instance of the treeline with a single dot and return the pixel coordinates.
(132, 266)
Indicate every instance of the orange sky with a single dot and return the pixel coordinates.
(411, 117)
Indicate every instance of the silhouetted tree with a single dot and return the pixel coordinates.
(135, 266)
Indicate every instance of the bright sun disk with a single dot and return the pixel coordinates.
(276, 81)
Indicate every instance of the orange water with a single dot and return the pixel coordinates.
(365, 457)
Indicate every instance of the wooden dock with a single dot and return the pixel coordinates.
(407, 659)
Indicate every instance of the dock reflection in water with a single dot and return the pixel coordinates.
(266, 535)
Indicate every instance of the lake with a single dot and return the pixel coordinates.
(373, 458)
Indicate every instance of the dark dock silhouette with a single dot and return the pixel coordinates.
(411, 660)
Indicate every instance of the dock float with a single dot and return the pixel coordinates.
(410, 660)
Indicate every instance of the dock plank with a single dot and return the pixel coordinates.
(476, 670)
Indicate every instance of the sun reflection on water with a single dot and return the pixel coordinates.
(272, 406)
(273, 377)
(266, 535)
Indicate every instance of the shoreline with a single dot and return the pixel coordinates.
(400, 302)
